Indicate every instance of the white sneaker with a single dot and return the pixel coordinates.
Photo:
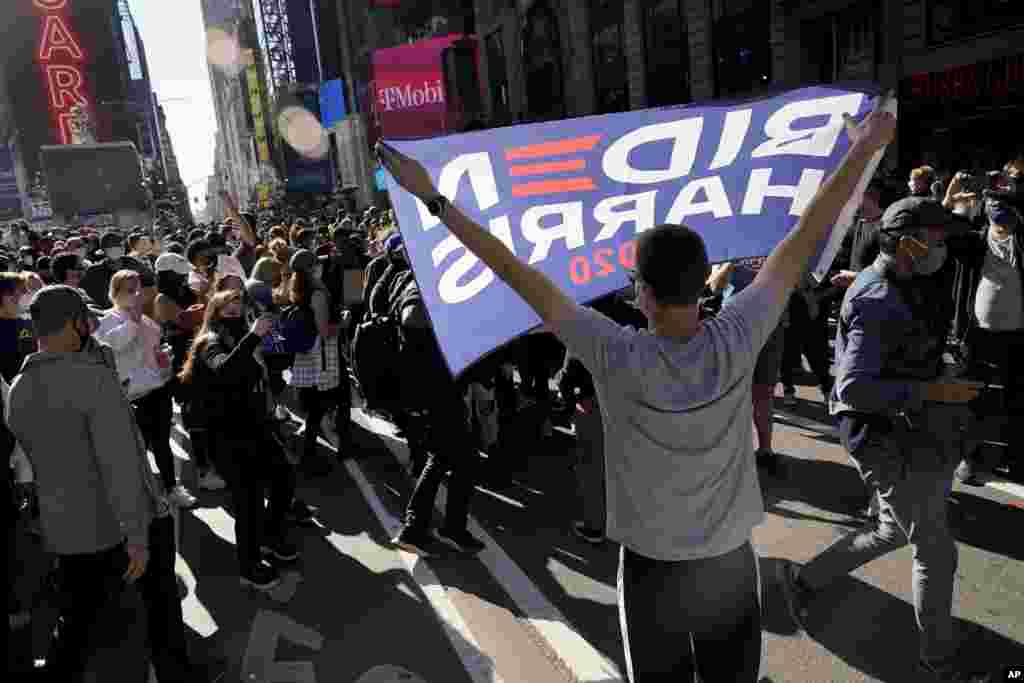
(211, 481)
(281, 413)
(180, 497)
(329, 432)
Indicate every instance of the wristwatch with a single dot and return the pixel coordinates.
(437, 205)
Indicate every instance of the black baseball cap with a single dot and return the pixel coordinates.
(53, 306)
(914, 213)
(673, 261)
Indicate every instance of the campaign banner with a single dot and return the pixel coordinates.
(570, 197)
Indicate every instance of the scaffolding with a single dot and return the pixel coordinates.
(275, 41)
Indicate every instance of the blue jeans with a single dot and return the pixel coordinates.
(910, 469)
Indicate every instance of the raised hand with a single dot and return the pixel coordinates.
(409, 173)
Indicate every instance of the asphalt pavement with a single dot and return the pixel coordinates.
(538, 604)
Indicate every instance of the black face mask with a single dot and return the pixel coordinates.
(175, 286)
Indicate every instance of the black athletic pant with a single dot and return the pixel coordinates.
(699, 615)
(154, 413)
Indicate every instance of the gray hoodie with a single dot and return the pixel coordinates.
(69, 413)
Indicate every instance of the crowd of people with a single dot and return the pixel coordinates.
(104, 334)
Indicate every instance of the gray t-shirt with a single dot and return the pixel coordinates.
(680, 473)
(998, 304)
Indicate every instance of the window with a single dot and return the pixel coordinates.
(542, 64)
(498, 77)
(842, 46)
(610, 81)
(668, 54)
(955, 19)
(743, 60)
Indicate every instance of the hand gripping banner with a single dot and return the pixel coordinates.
(570, 197)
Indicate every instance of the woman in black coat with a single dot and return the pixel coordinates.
(228, 388)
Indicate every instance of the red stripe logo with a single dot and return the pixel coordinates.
(545, 168)
(553, 187)
(553, 148)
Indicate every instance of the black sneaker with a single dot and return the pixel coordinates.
(462, 541)
(415, 542)
(281, 550)
(262, 577)
(794, 593)
(592, 536)
(951, 670)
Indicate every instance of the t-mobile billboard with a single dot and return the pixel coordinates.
(409, 98)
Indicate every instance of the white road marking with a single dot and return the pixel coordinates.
(503, 499)
(195, 614)
(1007, 487)
(219, 521)
(478, 665)
(259, 666)
(563, 642)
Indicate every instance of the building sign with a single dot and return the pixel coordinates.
(61, 58)
(408, 88)
(10, 197)
(993, 80)
(259, 122)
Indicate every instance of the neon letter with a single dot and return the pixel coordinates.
(65, 83)
(50, 5)
(57, 36)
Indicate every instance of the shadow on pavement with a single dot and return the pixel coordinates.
(821, 484)
(875, 632)
(987, 525)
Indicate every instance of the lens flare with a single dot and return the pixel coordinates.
(300, 129)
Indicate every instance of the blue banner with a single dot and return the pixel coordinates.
(10, 197)
(569, 197)
(332, 102)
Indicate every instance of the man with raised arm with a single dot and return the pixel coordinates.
(682, 487)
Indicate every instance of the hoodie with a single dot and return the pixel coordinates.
(95, 486)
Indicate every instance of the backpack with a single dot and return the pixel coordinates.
(375, 349)
(296, 331)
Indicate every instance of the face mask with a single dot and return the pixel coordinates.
(28, 261)
(933, 261)
(114, 253)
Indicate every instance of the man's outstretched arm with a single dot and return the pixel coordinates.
(536, 288)
(789, 261)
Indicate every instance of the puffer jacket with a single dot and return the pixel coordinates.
(228, 390)
(134, 345)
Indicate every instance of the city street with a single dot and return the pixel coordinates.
(539, 604)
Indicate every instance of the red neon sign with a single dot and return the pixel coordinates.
(61, 58)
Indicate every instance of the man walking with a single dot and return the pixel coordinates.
(683, 495)
(903, 426)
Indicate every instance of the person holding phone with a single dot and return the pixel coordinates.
(228, 384)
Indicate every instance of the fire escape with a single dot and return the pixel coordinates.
(276, 43)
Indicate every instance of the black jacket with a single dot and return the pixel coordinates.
(970, 250)
(227, 391)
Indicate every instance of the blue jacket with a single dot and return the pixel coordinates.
(884, 351)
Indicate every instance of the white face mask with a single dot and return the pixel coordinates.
(114, 252)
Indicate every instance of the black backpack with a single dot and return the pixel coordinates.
(375, 350)
(296, 331)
